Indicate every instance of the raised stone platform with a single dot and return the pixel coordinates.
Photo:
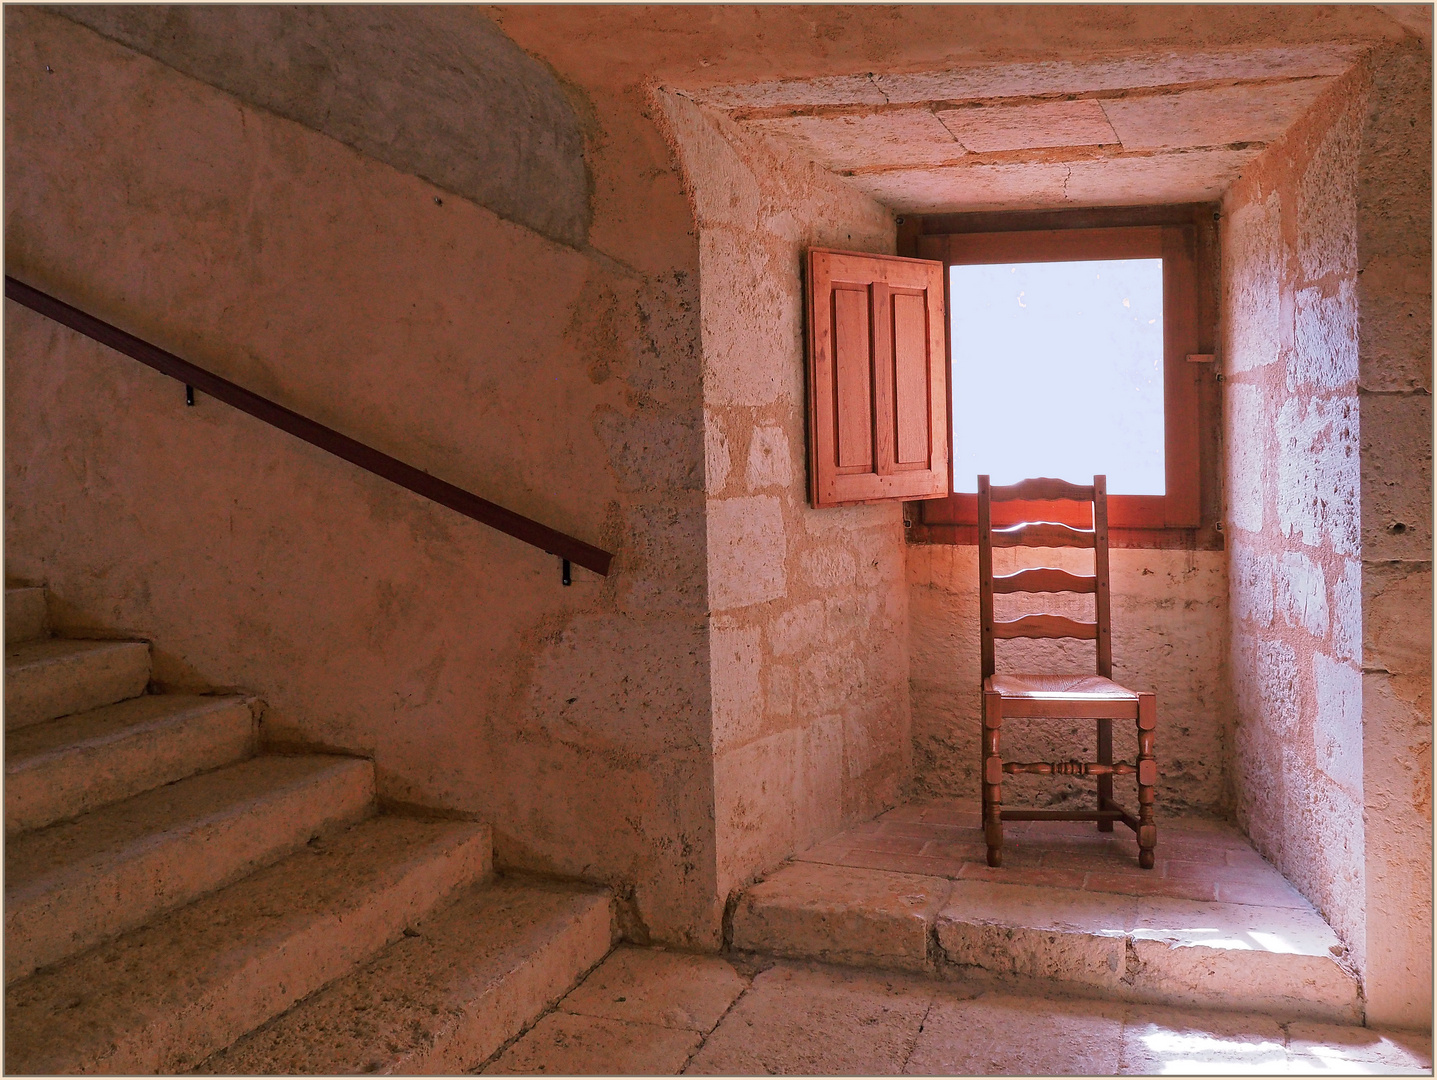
(1213, 924)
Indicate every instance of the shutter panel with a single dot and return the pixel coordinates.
(877, 379)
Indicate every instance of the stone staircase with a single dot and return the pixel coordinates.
(177, 899)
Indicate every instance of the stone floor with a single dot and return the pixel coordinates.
(650, 1012)
(1197, 858)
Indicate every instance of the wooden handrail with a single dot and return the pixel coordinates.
(356, 453)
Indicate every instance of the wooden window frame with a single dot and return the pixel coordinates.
(1185, 237)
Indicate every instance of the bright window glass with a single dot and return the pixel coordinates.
(1058, 371)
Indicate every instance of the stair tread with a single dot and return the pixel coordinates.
(62, 676)
(141, 1002)
(26, 653)
(68, 848)
(109, 723)
(407, 1010)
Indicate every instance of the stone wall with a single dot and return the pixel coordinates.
(1394, 395)
(1169, 636)
(1289, 356)
(560, 381)
(1327, 350)
(808, 625)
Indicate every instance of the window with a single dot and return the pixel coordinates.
(1081, 342)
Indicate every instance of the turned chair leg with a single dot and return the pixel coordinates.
(1105, 783)
(1147, 780)
(992, 779)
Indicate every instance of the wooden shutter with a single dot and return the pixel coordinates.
(877, 382)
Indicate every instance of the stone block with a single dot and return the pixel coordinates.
(1396, 477)
(1252, 584)
(1395, 620)
(1211, 116)
(649, 705)
(746, 547)
(48, 678)
(903, 137)
(1347, 620)
(1395, 296)
(566, 1044)
(652, 451)
(769, 461)
(717, 459)
(1326, 210)
(1248, 452)
(1324, 354)
(1302, 593)
(64, 768)
(1318, 473)
(664, 988)
(796, 630)
(663, 560)
(841, 915)
(1337, 723)
(800, 1021)
(1253, 242)
(1280, 961)
(1000, 1035)
(736, 688)
(1060, 934)
(990, 128)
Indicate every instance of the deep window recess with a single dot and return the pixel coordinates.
(1080, 342)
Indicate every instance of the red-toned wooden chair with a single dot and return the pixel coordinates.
(1051, 696)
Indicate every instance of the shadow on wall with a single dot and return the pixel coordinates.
(424, 88)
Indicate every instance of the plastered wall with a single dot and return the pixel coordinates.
(808, 612)
(1169, 636)
(559, 380)
(1327, 352)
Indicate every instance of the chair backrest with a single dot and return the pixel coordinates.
(1045, 579)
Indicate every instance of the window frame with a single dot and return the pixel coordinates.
(1186, 239)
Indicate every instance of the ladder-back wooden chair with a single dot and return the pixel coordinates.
(1051, 696)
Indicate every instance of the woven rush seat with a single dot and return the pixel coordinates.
(1058, 687)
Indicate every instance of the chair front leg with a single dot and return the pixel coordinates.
(992, 778)
(1147, 780)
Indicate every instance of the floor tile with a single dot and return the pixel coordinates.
(797, 1020)
(670, 989)
(999, 1035)
(564, 1044)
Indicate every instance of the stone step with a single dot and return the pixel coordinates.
(26, 615)
(75, 883)
(66, 767)
(1284, 962)
(163, 997)
(57, 677)
(473, 976)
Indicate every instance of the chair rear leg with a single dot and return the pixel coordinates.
(1147, 780)
(992, 778)
(1105, 783)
